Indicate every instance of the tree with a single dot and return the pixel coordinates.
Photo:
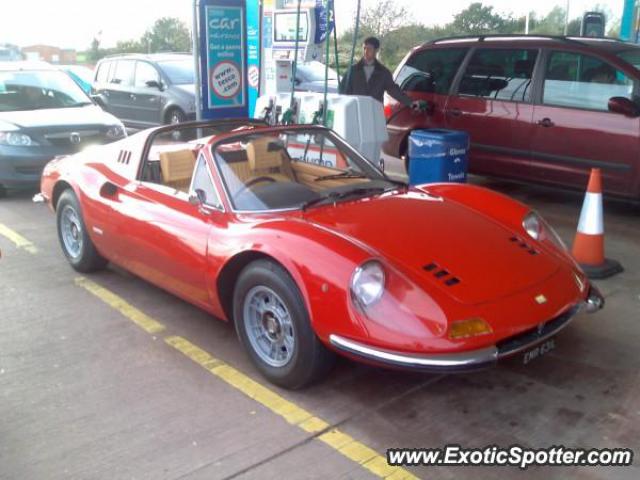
(95, 52)
(167, 35)
(552, 23)
(382, 18)
(477, 19)
(129, 46)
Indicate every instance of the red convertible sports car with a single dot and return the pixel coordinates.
(309, 249)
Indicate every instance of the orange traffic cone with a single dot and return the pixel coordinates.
(588, 246)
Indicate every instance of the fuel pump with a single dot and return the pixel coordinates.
(299, 31)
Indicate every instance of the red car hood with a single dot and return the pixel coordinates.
(413, 231)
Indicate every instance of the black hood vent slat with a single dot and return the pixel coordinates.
(523, 245)
(441, 274)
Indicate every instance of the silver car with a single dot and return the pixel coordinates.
(43, 113)
(147, 90)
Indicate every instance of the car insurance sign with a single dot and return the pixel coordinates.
(225, 56)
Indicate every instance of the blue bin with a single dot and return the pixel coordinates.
(438, 155)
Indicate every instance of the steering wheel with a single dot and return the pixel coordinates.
(253, 181)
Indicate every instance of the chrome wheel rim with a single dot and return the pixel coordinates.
(268, 325)
(71, 230)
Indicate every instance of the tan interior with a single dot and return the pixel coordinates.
(177, 168)
(263, 162)
(306, 173)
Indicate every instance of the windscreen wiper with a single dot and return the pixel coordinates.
(345, 174)
(335, 196)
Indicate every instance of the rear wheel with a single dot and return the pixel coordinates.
(73, 236)
(273, 324)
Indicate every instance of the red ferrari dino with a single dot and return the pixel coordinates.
(309, 249)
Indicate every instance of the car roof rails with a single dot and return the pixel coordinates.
(482, 38)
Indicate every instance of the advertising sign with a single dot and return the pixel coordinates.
(225, 56)
(220, 50)
(253, 53)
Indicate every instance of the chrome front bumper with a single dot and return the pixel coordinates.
(474, 359)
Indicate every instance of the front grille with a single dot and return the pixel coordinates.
(76, 140)
(516, 343)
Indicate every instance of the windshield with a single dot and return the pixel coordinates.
(314, 72)
(33, 90)
(294, 169)
(631, 56)
(180, 72)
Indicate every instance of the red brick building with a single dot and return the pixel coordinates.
(49, 54)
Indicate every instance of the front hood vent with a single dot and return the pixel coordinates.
(442, 274)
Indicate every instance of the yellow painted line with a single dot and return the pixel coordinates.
(341, 442)
(18, 239)
(138, 317)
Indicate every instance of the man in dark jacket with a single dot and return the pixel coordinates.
(370, 77)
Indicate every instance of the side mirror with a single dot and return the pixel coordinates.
(623, 106)
(98, 99)
(155, 84)
(198, 198)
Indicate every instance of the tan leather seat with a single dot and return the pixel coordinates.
(269, 162)
(177, 168)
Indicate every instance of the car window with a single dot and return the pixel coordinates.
(145, 72)
(124, 72)
(102, 75)
(289, 169)
(179, 72)
(202, 181)
(631, 56)
(431, 70)
(582, 81)
(501, 74)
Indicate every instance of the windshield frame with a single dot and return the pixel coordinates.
(330, 134)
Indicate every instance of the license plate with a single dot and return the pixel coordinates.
(538, 351)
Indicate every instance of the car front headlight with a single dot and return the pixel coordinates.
(367, 283)
(16, 139)
(540, 230)
(116, 131)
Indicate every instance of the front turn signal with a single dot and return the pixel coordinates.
(471, 327)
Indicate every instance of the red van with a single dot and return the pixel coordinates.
(537, 108)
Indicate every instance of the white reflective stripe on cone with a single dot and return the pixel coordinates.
(591, 217)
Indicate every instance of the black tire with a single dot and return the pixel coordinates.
(69, 220)
(175, 116)
(3, 191)
(309, 360)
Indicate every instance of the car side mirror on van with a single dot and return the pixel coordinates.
(98, 99)
(155, 84)
(624, 106)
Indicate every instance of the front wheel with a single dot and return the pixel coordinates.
(273, 324)
(73, 236)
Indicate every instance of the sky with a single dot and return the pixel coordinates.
(74, 23)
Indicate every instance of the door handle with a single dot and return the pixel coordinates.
(455, 112)
(546, 123)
